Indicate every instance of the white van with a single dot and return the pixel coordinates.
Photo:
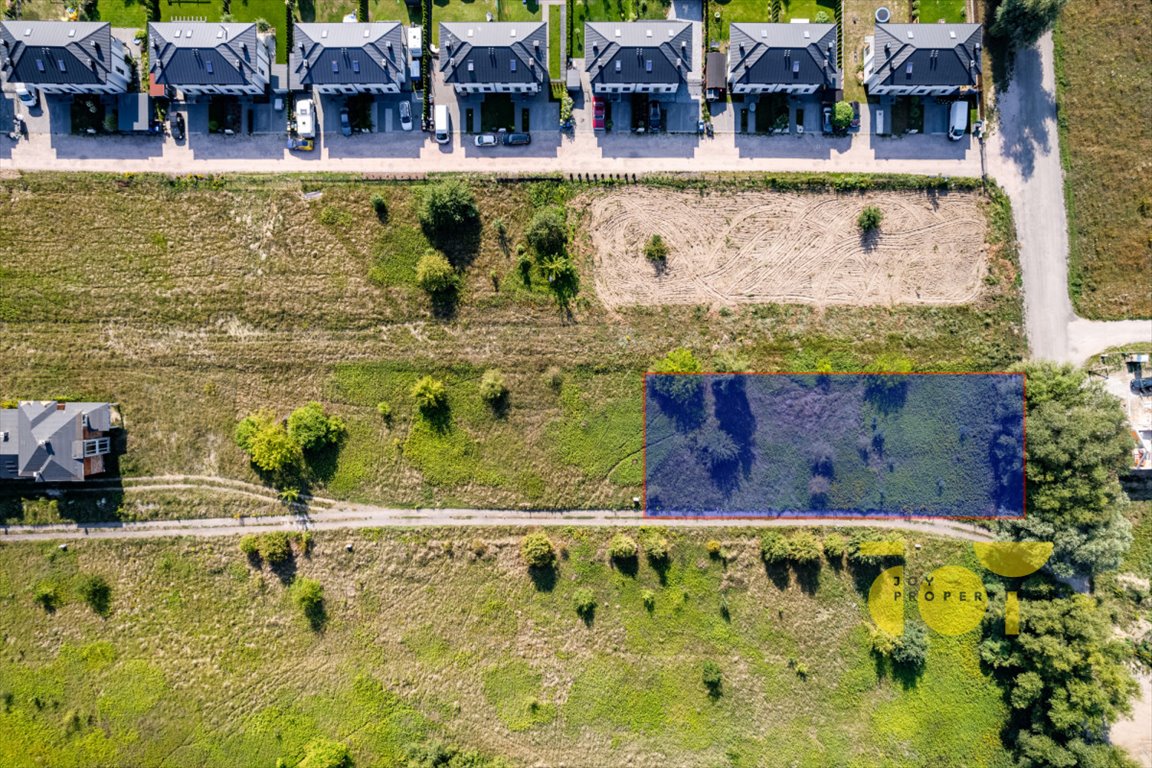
(305, 119)
(440, 123)
(958, 120)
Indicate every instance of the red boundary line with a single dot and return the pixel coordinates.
(1023, 438)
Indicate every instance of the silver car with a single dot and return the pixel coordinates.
(486, 140)
(405, 116)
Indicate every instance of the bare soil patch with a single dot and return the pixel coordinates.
(777, 247)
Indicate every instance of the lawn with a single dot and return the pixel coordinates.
(933, 11)
(437, 642)
(477, 10)
(555, 36)
(610, 10)
(1102, 59)
(193, 302)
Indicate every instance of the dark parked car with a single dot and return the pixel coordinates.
(176, 124)
(1141, 386)
(517, 139)
(855, 125)
(655, 116)
(345, 123)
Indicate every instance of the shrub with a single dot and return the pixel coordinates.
(773, 548)
(649, 598)
(716, 550)
(267, 443)
(325, 753)
(380, 206)
(622, 547)
(492, 387)
(430, 395)
(263, 25)
(585, 603)
(547, 233)
(275, 547)
(842, 116)
(47, 597)
(804, 548)
(97, 593)
(656, 548)
(656, 250)
(911, 649)
(434, 274)
(448, 206)
(537, 550)
(821, 17)
(712, 677)
(250, 544)
(308, 596)
(384, 410)
(869, 219)
(835, 546)
(680, 389)
(312, 428)
(554, 378)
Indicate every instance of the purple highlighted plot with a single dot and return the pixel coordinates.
(834, 445)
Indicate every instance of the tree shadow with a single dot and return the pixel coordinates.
(660, 565)
(285, 570)
(869, 239)
(461, 245)
(681, 398)
(807, 576)
(317, 615)
(886, 393)
(907, 675)
(629, 566)
(445, 303)
(544, 579)
(779, 574)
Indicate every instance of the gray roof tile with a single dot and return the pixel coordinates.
(199, 53)
(648, 52)
(926, 54)
(56, 52)
(800, 54)
(347, 54)
(498, 52)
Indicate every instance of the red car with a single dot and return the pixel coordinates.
(597, 115)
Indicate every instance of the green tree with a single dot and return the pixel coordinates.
(584, 601)
(325, 753)
(492, 387)
(430, 395)
(313, 428)
(712, 677)
(547, 233)
(1023, 21)
(773, 548)
(1078, 443)
(435, 275)
(656, 548)
(308, 595)
(681, 389)
(842, 115)
(835, 546)
(656, 250)
(448, 206)
(268, 444)
(622, 547)
(804, 548)
(869, 219)
(1066, 677)
(97, 593)
(537, 550)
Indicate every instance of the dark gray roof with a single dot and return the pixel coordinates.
(56, 52)
(802, 54)
(347, 54)
(198, 53)
(657, 52)
(926, 54)
(42, 438)
(498, 52)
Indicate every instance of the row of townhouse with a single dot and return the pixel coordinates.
(198, 58)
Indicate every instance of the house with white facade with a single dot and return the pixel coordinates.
(637, 57)
(200, 58)
(349, 58)
(923, 59)
(63, 56)
(494, 56)
(46, 441)
(782, 58)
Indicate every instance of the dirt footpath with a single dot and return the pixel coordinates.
(759, 247)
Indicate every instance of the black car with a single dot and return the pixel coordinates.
(1141, 387)
(176, 125)
(655, 116)
(517, 139)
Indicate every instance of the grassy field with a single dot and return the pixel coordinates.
(194, 302)
(439, 641)
(933, 11)
(1101, 59)
(611, 10)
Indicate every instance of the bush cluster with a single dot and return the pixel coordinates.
(435, 275)
(430, 395)
(274, 547)
(492, 387)
(447, 206)
(97, 593)
(277, 446)
(622, 548)
(869, 219)
(537, 550)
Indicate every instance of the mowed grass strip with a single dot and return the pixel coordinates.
(440, 637)
(192, 302)
(1102, 62)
